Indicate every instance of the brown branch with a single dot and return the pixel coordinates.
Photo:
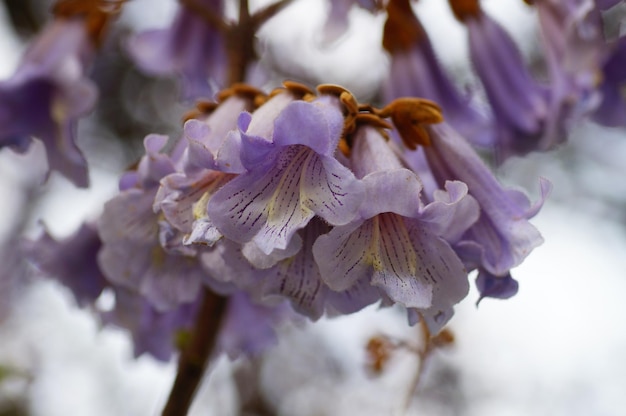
(195, 355)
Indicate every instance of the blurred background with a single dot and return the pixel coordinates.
(556, 348)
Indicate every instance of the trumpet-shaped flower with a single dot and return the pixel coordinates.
(575, 51)
(46, 96)
(71, 261)
(132, 255)
(612, 109)
(396, 242)
(520, 105)
(502, 237)
(299, 280)
(191, 48)
(296, 178)
(416, 72)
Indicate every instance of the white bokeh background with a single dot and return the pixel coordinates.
(557, 348)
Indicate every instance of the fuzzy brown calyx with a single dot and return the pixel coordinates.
(96, 14)
(402, 29)
(409, 115)
(465, 9)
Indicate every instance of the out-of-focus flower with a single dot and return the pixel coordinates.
(337, 21)
(71, 261)
(14, 276)
(612, 109)
(153, 331)
(250, 328)
(192, 48)
(520, 105)
(575, 50)
(247, 328)
(47, 95)
(498, 287)
(416, 72)
(607, 4)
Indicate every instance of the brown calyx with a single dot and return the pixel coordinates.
(96, 14)
(402, 29)
(409, 115)
(465, 9)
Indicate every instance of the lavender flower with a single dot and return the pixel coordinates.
(337, 21)
(47, 95)
(520, 105)
(191, 47)
(498, 287)
(183, 195)
(71, 261)
(299, 279)
(396, 243)
(575, 49)
(132, 255)
(247, 328)
(416, 72)
(612, 109)
(502, 237)
(153, 331)
(291, 176)
(250, 328)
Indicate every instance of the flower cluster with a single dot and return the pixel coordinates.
(303, 196)
(300, 201)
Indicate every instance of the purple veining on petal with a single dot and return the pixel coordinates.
(390, 244)
(281, 193)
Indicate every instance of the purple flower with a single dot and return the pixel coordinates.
(247, 328)
(291, 176)
(14, 275)
(191, 47)
(396, 243)
(132, 255)
(502, 237)
(612, 109)
(153, 331)
(212, 143)
(416, 72)
(520, 105)
(72, 261)
(47, 95)
(337, 20)
(250, 328)
(497, 287)
(299, 280)
(574, 48)
(607, 4)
